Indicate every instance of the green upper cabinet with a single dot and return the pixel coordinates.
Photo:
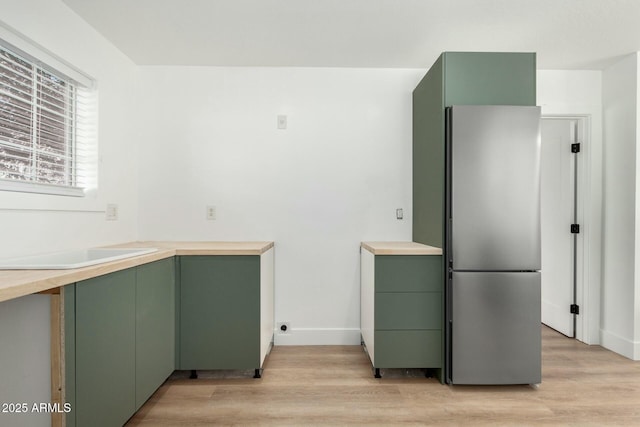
(105, 349)
(155, 326)
(457, 78)
(488, 78)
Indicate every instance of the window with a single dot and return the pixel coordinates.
(43, 114)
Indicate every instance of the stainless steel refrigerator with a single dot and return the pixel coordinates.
(493, 244)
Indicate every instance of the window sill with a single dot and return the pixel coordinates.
(28, 187)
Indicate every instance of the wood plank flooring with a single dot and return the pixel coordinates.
(334, 385)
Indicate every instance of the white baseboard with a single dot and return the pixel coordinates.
(620, 345)
(317, 336)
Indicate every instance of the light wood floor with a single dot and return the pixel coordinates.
(333, 385)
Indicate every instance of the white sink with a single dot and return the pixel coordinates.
(71, 259)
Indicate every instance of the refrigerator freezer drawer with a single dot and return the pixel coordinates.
(496, 330)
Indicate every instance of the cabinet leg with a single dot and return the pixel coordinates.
(193, 375)
(257, 374)
(377, 374)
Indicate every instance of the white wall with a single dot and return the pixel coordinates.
(318, 188)
(620, 217)
(579, 93)
(34, 223)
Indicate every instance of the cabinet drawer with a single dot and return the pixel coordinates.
(408, 349)
(408, 273)
(408, 310)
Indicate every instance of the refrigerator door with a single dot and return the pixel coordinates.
(496, 331)
(495, 187)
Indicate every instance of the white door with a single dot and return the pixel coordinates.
(558, 211)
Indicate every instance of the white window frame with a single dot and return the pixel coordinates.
(81, 164)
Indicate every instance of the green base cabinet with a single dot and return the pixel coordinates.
(105, 349)
(155, 326)
(119, 342)
(402, 310)
(225, 311)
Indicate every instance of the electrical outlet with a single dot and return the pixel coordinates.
(283, 328)
(112, 212)
(399, 213)
(211, 213)
(282, 122)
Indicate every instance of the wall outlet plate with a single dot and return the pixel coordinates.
(283, 327)
(399, 213)
(211, 213)
(111, 212)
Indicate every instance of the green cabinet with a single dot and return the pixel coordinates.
(226, 311)
(125, 332)
(105, 349)
(155, 326)
(457, 78)
(402, 310)
(119, 342)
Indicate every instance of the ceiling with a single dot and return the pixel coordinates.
(566, 34)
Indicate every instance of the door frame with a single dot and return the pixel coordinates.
(589, 213)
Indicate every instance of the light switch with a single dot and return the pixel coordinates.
(399, 214)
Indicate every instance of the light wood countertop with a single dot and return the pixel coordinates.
(18, 283)
(400, 248)
(204, 248)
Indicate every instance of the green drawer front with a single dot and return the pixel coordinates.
(408, 273)
(408, 310)
(408, 349)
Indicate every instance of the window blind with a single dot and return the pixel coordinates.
(46, 128)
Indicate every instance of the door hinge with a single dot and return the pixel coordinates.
(575, 147)
(575, 228)
(574, 309)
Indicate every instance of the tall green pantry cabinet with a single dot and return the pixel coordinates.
(457, 78)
